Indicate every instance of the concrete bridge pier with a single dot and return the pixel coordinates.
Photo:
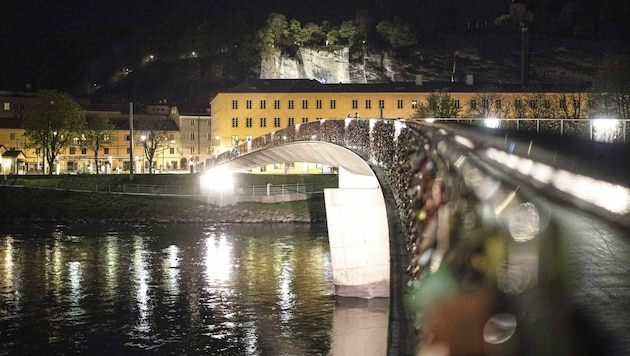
(359, 236)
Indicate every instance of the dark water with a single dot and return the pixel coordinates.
(196, 290)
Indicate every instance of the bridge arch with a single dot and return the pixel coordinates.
(356, 214)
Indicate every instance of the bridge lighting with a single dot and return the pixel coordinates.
(314, 137)
(217, 180)
(604, 129)
(429, 120)
(492, 122)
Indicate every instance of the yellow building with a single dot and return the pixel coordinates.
(258, 107)
(188, 140)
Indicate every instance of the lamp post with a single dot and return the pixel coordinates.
(143, 138)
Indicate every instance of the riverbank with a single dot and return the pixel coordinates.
(33, 205)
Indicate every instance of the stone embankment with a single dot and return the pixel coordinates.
(38, 206)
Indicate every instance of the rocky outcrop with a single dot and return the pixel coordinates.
(326, 66)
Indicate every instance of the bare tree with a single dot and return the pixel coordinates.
(154, 135)
(98, 133)
(489, 104)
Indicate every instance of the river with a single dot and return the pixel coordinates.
(179, 289)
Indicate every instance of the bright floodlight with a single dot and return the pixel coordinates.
(604, 129)
(217, 180)
(492, 122)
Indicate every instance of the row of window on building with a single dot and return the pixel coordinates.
(262, 122)
(546, 103)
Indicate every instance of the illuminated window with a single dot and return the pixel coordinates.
(7, 106)
(414, 104)
(234, 140)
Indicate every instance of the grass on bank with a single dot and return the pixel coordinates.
(23, 198)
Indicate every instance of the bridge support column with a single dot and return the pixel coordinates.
(359, 241)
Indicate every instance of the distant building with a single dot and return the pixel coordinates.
(189, 139)
(258, 107)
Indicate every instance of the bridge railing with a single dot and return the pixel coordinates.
(478, 249)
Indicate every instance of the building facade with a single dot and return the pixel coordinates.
(258, 107)
(187, 140)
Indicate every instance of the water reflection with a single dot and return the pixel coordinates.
(247, 290)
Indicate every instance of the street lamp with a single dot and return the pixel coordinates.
(143, 138)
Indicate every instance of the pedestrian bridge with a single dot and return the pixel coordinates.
(449, 218)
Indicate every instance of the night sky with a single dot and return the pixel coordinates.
(52, 42)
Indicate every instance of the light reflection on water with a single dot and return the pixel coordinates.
(244, 290)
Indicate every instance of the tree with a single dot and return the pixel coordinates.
(489, 104)
(52, 122)
(398, 32)
(610, 96)
(98, 133)
(439, 104)
(154, 135)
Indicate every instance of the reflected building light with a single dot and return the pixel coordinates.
(171, 267)
(217, 259)
(111, 263)
(285, 277)
(141, 282)
(8, 284)
(75, 276)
